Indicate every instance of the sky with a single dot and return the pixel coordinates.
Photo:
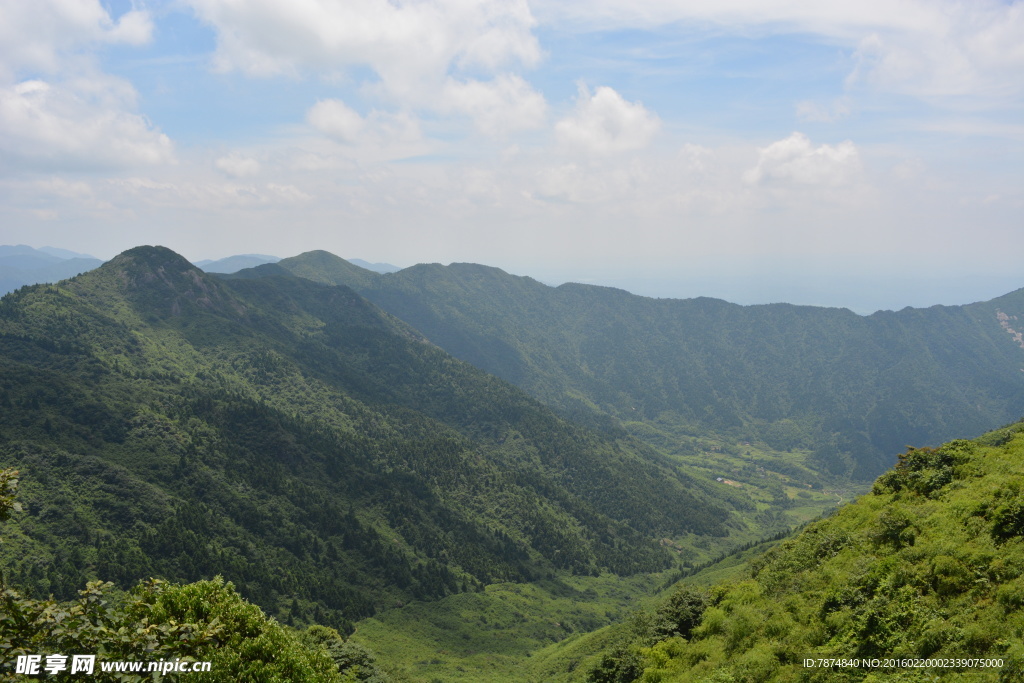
(867, 155)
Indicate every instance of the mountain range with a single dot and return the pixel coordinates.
(22, 265)
(315, 450)
(390, 452)
(850, 390)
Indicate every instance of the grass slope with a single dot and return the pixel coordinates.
(928, 566)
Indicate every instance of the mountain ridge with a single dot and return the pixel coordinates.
(585, 350)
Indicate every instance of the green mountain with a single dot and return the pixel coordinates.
(920, 580)
(848, 390)
(319, 445)
(312, 449)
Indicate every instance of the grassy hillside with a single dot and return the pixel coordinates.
(842, 392)
(928, 566)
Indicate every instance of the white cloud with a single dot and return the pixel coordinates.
(695, 158)
(967, 49)
(69, 115)
(402, 41)
(68, 195)
(794, 160)
(335, 119)
(238, 166)
(42, 34)
(832, 18)
(45, 214)
(132, 28)
(506, 104)
(65, 189)
(81, 124)
(426, 55)
(385, 134)
(604, 122)
(288, 193)
(618, 188)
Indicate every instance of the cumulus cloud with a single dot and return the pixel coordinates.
(81, 124)
(603, 122)
(506, 104)
(401, 41)
(69, 115)
(398, 132)
(335, 119)
(426, 55)
(40, 35)
(796, 161)
(972, 49)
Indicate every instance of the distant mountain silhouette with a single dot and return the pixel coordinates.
(233, 264)
(22, 265)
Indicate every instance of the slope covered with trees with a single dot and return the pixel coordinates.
(849, 389)
(293, 438)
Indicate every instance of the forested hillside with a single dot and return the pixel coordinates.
(310, 448)
(850, 390)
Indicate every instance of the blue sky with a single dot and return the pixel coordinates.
(867, 155)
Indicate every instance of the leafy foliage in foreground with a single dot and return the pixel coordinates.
(202, 622)
(929, 565)
(205, 621)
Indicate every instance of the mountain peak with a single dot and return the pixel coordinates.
(326, 268)
(151, 254)
(163, 281)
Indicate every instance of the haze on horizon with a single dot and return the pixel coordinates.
(866, 156)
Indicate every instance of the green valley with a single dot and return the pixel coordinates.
(923, 577)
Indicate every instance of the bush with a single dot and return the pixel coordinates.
(681, 613)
